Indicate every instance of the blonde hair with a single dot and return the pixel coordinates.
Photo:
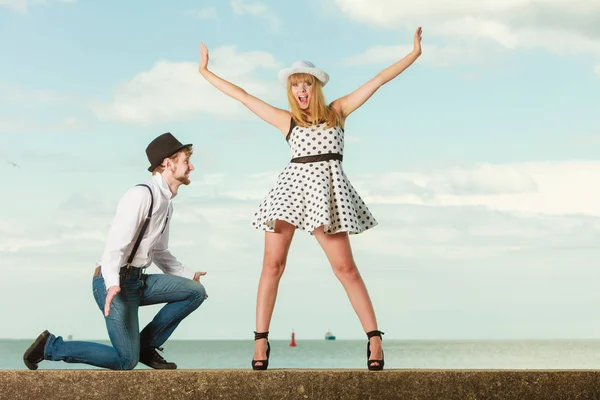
(318, 111)
(188, 151)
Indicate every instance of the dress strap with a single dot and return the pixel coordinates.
(292, 126)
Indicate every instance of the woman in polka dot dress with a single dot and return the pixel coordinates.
(312, 193)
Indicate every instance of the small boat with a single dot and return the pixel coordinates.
(329, 335)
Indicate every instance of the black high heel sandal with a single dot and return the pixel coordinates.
(265, 363)
(370, 363)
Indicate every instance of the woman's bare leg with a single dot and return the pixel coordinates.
(277, 245)
(339, 253)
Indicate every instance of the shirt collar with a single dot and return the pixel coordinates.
(162, 185)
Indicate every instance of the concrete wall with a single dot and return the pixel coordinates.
(298, 384)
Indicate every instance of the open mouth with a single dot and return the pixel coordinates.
(303, 100)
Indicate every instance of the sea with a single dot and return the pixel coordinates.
(351, 354)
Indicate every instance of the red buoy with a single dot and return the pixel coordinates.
(293, 342)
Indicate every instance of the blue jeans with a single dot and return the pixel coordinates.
(182, 296)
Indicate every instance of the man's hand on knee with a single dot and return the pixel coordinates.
(196, 277)
(110, 295)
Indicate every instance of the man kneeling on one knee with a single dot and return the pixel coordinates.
(138, 236)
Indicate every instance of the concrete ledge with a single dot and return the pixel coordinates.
(299, 384)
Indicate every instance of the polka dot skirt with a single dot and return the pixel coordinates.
(318, 193)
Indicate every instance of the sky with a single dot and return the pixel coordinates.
(480, 162)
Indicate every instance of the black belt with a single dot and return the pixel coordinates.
(317, 158)
(128, 272)
(124, 270)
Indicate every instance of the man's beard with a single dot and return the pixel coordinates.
(184, 180)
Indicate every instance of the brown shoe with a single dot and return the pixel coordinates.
(151, 358)
(35, 353)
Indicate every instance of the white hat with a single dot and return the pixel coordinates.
(305, 67)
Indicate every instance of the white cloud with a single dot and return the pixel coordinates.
(379, 54)
(82, 217)
(471, 26)
(94, 236)
(13, 245)
(23, 5)
(257, 9)
(9, 228)
(597, 69)
(391, 13)
(204, 13)
(553, 188)
(41, 96)
(59, 120)
(434, 55)
(175, 90)
(474, 232)
(16, 5)
(586, 139)
(24, 124)
(482, 179)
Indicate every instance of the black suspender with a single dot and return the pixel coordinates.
(144, 226)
